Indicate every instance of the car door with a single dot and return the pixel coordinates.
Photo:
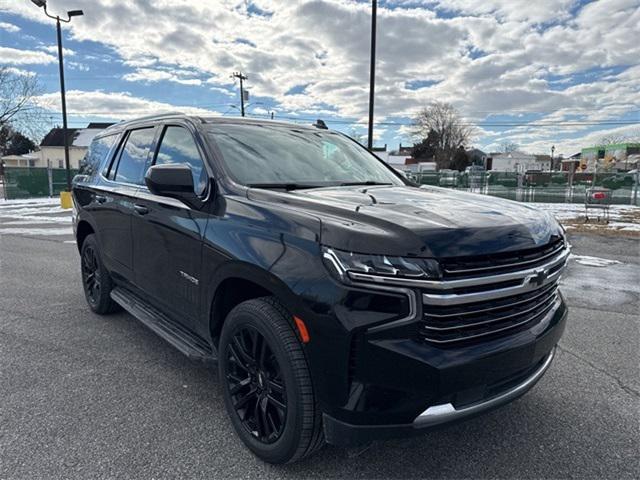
(113, 201)
(167, 234)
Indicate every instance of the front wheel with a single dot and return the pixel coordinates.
(266, 383)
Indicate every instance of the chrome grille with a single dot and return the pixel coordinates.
(454, 324)
(500, 262)
(475, 307)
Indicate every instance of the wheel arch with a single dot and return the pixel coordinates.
(239, 282)
(83, 230)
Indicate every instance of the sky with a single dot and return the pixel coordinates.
(533, 72)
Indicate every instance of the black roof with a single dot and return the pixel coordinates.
(55, 137)
(204, 120)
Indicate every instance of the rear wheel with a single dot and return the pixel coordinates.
(96, 281)
(266, 383)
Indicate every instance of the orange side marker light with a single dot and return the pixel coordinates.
(302, 329)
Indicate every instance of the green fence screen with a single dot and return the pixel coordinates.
(34, 182)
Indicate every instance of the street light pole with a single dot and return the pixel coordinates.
(71, 13)
(372, 72)
(63, 96)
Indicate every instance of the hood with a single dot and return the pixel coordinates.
(424, 222)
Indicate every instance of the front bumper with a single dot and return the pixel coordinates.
(344, 434)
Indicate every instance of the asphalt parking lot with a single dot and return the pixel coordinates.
(83, 396)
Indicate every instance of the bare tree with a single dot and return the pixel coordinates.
(442, 123)
(613, 139)
(509, 147)
(18, 92)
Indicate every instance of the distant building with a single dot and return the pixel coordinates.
(51, 151)
(571, 164)
(519, 162)
(381, 152)
(621, 156)
(52, 145)
(478, 157)
(25, 160)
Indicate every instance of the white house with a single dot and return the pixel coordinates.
(519, 162)
(52, 146)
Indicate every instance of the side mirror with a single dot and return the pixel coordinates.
(174, 181)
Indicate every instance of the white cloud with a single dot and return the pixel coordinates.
(24, 57)
(9, 27)
(119, 106)
(548, 57)
(53, 49)
(152, 75)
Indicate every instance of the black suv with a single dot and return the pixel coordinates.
(340, 302)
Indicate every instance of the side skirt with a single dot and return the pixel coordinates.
(189, 343)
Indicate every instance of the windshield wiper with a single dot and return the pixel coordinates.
(368, 182)
(282, 186)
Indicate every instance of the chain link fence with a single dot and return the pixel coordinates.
(30, 182)
(551, 187)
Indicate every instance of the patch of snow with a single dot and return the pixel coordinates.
(29, 202)
(594, 261)
(36, 231)
(33, 219)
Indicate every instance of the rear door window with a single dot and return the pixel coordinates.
(133, 156)
(97, 154)
(178, 146)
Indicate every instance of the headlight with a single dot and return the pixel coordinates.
(358, 266)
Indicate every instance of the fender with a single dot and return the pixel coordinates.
(237, 269)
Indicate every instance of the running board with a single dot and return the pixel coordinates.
(194, 347)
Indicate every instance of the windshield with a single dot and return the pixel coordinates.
(286, 156)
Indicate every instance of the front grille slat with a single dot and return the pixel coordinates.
(460, 338)
(514, 314)
(473, 309)
(486, 306)
(462, 267)
(511, 265)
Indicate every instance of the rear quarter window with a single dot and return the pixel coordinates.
(96, 155)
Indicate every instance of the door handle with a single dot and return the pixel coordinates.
(141, 209)
(100, 198)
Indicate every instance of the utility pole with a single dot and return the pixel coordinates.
(372, 73)
(242, 78)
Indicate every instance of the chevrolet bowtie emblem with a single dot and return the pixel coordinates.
(539, 277)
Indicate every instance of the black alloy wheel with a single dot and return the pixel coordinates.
(266, 382)
(91, 275)
(256, 385)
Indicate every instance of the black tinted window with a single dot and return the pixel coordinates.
(178, 146)
(97, 153)
(134, 156)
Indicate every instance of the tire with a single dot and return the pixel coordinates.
(279, 375)
(96, 281)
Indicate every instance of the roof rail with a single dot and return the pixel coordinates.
(157, 115)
